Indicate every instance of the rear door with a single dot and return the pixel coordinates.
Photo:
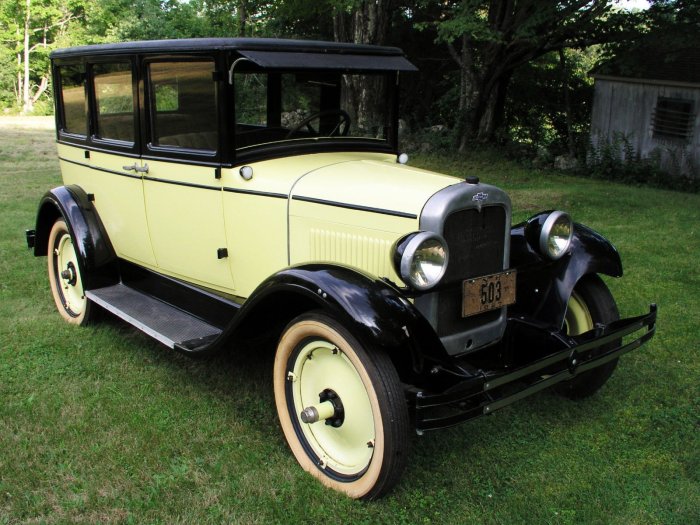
(98, 145)
(115, 157)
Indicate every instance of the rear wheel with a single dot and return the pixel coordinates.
(591, 303)
(342, 408)
(65, 278)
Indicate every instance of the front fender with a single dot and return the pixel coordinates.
(544, 286)
(374, 311)
(92, 243)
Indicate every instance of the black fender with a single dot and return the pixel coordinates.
(373, 310)
(97, 259)
(544, 286)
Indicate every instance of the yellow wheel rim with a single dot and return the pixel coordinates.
(578, 317)
(346, 449)
(72, 285)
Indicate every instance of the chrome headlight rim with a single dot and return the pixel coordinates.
(546, 233)
(408, 247)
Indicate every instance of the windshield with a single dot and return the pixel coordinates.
(310, 107)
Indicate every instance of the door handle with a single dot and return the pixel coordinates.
(134, 167)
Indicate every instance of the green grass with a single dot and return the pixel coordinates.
(103, 425)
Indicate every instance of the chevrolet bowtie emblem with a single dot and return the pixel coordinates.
(481, 196)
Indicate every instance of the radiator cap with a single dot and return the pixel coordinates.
(472, 179)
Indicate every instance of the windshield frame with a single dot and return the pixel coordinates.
(288, 147)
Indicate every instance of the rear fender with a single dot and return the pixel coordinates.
(96, 254)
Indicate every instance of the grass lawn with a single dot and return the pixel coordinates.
(104, 425)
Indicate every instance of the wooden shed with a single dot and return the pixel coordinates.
(648, 106)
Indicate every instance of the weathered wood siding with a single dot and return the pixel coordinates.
(624, 110)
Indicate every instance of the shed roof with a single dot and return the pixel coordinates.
(678, 66)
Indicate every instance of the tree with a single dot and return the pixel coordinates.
(548, 103)
(489, 40)
(30, 28)
(361, 21)
(668, 25)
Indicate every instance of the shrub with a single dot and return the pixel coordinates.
(617, 160)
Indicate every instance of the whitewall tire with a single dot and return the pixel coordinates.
(360, 444)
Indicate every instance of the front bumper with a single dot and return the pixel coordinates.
(488, 390)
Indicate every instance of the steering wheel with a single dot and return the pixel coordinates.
(342, 128)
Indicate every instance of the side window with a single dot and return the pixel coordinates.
(183, 105)
(311, 106)
(250, 98)
(114, 100)
(73, 99)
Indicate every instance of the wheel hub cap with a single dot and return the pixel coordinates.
(323, 377)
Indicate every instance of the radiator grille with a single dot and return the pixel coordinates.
(476, 241)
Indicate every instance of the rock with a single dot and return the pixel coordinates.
(565, 162)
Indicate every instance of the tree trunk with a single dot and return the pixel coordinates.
(494, 111)
(567, 105)
(26, 98)
(368, 24)
(18, 87)
(242, 11)
(43, 86)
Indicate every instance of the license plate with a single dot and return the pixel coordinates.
(489, 292)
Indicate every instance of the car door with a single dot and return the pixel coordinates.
(115, 158)
(99, 148)
(182, 186)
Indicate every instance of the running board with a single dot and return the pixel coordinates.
(169, 325)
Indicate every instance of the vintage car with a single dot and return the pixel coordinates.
(215, 187)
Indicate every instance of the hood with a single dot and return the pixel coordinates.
(378, 183)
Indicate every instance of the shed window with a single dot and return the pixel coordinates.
(673, 118)
(73, 99)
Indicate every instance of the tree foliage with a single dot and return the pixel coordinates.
(490, 39)
(490, 69)
(28, 29)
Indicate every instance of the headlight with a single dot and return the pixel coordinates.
(421, 259)
(556, 234)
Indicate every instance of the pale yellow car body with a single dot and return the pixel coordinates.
(160, 221)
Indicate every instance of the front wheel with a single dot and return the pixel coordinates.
(65, 278)
(591, 303)
(342, 408)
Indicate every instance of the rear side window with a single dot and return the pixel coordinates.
(73, 99)
(114, 100)
(183, 105)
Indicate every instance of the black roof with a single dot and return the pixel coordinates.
(207, 44)
(268, 53)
